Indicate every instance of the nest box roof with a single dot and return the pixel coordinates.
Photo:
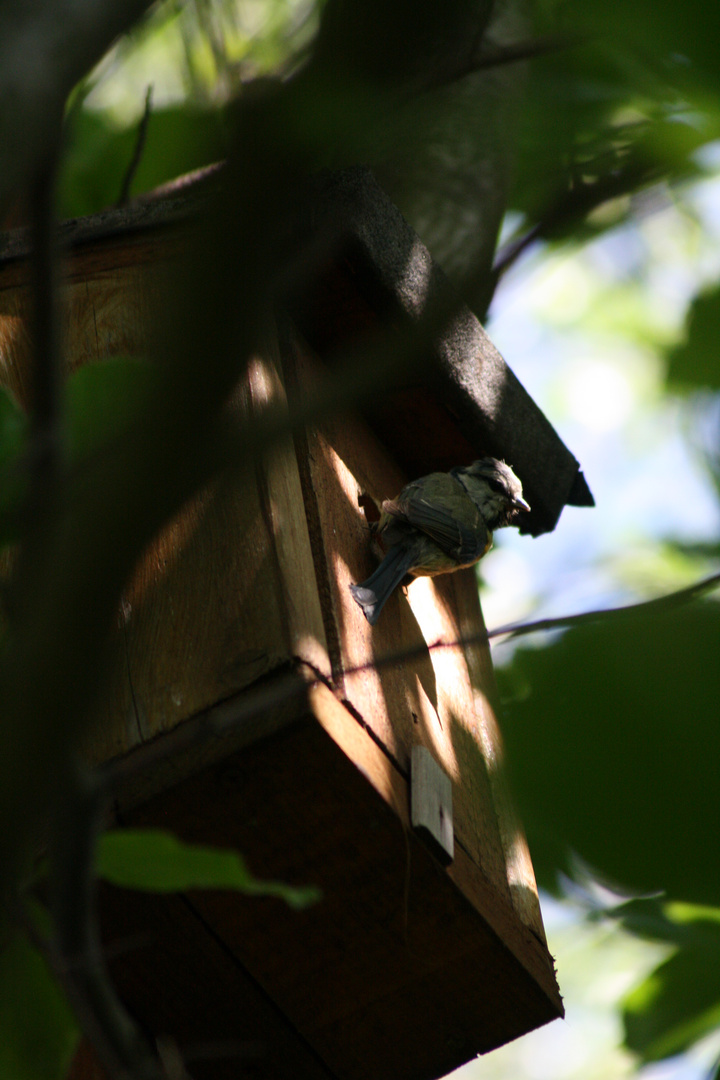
(369, 275)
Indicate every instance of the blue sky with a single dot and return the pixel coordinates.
(585, 331)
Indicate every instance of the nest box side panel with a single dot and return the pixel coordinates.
(226, 593)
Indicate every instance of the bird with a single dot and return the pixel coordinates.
(442, 522)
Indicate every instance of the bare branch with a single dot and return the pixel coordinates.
(658, 604)
(77, 952)
(571, 207)
(487, 56)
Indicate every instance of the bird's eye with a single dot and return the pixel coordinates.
(495, 485)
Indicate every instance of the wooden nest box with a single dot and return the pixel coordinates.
(256, 709)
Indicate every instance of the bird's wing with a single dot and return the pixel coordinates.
(439, 507)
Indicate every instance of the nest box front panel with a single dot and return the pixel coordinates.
(422, 674)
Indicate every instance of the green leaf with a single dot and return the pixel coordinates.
(675, 40)
(38, 1033)
(614, 751)
(656, 920)
(101, 400)
(156, 861)
(696, 362)
(645, 917)
(679, 1002)
(96, 158)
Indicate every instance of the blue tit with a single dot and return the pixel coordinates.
(440, 523)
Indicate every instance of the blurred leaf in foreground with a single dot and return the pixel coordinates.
(38, 1032)
(613, 738)
(156, 861)
(696, 361)
(679, 1002)
(101, 400)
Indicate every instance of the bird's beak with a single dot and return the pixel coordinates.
(520, 504)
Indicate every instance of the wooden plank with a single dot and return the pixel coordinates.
(280, 490)
(520, 873)
(15, 343)
(200, 620)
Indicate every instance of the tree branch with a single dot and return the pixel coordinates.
(571, 207)
(657, 604)
(77, 951)
(487, 56)
(289, 685)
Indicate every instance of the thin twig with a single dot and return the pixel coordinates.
(657, 604)
(138, 151)
(512, 251)
(281, 689)
(492, 56)
(571, 207)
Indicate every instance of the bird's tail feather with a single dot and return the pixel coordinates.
(372, 593)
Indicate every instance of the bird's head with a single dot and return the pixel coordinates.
(495, 490)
